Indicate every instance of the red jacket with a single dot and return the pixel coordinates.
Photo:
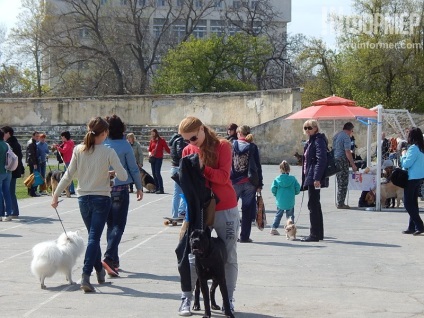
(66, 149)
(219, 175)
(161, 147)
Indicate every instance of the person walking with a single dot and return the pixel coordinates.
(5, 178)
(32, 160)
(343, 156)
(314, 162)
(66, 149)
(284, 188)
(42, 152)
(413, 160)
(91, 162)
(214, 156)
(157, 146)
(19, 171)
(118, 214)
(138, 153)
(245, 160)
(176, 145)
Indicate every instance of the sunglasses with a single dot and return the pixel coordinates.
(308, 128)
(193, 138)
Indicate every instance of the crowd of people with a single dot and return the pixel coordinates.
(229, 168)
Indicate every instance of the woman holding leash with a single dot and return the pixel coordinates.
(91, 161)
(314, 163)
(157, 146)
(413, 161)
(215, 161)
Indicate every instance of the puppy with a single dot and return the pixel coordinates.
(389, 190)
(52, 180)
(211, 257)
(52, 256)
(147, 181)
(298, 158)
(290, 229)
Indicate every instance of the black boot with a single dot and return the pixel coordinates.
(85, 284)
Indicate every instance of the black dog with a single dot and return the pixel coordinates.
(196, 304)
(211, 257)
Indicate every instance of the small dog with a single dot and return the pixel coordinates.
(147, 181)
(290, 229)
(52, 180)
(298, 158)
(211, 256)
(52, 256)
(389, 190)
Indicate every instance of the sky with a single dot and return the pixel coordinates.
(308, 16)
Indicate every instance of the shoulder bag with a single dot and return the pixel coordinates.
(332, 168)
(399, 177)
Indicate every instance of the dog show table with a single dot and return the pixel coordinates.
(362, 181)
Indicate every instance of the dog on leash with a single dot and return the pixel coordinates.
(387, 191)
(52, 180)
(57, 256)
(290, 229)
(298, 158)
(196, 304)
(147, 181)
(211, 257)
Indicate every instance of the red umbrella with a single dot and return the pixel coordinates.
(333, 107)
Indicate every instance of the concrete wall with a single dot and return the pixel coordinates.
(250, 108)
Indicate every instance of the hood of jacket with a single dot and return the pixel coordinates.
(285, 181)
(240, 147)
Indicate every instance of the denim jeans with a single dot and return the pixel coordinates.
(247, 192)
(279, 215)
(410, 200)
(94, 211)
(178, 204)
(116, 221)
(15, 207)
(156, 167)
(5, 199)
(71, 186)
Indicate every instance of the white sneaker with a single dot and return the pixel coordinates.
(184, 309)
(6, 218)
(274, 232)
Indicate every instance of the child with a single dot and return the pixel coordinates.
(284, 188)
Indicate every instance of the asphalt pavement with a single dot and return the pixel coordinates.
(364, 267)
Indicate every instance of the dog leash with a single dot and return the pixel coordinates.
(61, 220)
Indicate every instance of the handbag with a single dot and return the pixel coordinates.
(331, 168)
(399, 177)
(38, 179)
(152, 159)
(29, 180)
(260, 219)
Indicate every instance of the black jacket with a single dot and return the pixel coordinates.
(17, 149)
(31, 153)
(176, 145)
(315, 158)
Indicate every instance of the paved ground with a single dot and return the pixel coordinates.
(365, 267)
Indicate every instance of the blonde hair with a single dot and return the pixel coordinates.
(131, 135)
(284, 167)
(208, 148)
(311, 122)
(245, 131)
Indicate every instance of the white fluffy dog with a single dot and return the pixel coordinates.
(53, 256)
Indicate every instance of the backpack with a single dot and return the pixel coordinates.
(11, 160)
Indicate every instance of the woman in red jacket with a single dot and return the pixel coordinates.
(156, 147)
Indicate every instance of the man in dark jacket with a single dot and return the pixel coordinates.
(176, 145)
(31, 159)
(17, 149)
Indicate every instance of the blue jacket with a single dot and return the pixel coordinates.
(413, 161)
(284, 188)
(315, 161)
(42, 151)
(127, 157)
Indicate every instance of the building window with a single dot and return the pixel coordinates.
(199, 4)
(83, 33)
(200, 30)
(160, 3)
(103, 2)
(254, 4)
(142, 3)
(179, 30)
(124, 2)
(180, 3)
(236, 4)
(218, 3)
(217, 27)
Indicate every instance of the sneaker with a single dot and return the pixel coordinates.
(108, 266)
(6, 218)
(184, 309)
(274, 232)
(343, 206)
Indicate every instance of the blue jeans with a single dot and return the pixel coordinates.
(410, 200)
(279, 215)
(156, 167)
(71, 186)
(5, 199)
(178, 204)
(15, 207)
(116, 221)
(94, 211)
(247, 192)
